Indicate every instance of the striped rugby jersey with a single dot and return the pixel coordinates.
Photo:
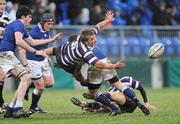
(71, 53)
(4, 21)
(128, 81)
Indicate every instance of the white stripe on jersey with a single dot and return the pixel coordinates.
(92, 59)
(83, 47)
(69, 54)
(79, 54)
(67, 60)
(137, 84)
(88, 53)
(4, 21)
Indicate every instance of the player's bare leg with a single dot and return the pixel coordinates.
(3, 106)
(15, 109)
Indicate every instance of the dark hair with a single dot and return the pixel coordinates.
(23, 11)
(47, 17)
(72, 38)
(85, 34)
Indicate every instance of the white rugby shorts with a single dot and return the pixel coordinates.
(96, 75)
(9, 61)
(39, 68)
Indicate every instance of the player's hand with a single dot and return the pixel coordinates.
(41, 53)
(57, 36)
(120, 65)
(150, 107)
(110, 16)
(27, 69)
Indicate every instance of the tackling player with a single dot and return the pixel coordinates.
(16, 35)
(70, 54)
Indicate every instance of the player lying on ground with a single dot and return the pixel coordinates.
(126, 105)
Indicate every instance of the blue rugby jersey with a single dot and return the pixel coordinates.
(8, 42)
(98, 53)
(37, 33)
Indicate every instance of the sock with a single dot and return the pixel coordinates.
(35, 98)
(128, 92)
(1, 93)
(94, 105)
(106, 101)
(108, 95)
(19, 104)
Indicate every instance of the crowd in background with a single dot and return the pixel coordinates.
(89, 12)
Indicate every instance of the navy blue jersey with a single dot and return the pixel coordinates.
(98, 53)
(37, 33)
(8, 42)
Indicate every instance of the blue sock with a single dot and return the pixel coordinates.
(128, 92)
(106, 101)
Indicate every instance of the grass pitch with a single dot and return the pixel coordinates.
(62, 111)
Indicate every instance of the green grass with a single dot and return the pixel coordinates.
(62, 111)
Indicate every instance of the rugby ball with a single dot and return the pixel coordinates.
(156, 50)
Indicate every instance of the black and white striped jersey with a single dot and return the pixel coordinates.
(71, 53)
(128, 81)
(4, 21)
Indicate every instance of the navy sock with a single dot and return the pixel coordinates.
(106, 101)
(35, 99)
(1, 93)
(128, 92)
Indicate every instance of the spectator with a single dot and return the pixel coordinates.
(160, 15)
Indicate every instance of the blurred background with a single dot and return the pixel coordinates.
(137, 26)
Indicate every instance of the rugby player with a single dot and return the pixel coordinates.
(41, 73)
(126, 104)
(70, 54)
(16, 35)
(4, 21)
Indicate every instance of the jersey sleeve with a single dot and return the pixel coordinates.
(90, 58)
(20, 28)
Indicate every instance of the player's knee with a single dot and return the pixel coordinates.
(113, 80)
(49, 85)
(25, 78)
(38, 91)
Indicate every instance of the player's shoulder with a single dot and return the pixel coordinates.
(5, 17)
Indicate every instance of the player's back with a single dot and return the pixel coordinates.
(74, 52)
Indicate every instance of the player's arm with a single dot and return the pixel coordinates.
(105, 65)
(107, 22)
(143, 92)
(36, 42)
(20, 42)
(22, 53)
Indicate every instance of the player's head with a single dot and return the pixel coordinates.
(25, 14)
(47, 21)
(88, 37)
(2, 6)
(72, 38)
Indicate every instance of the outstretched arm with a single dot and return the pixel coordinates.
(107, 22)
(36, 42)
